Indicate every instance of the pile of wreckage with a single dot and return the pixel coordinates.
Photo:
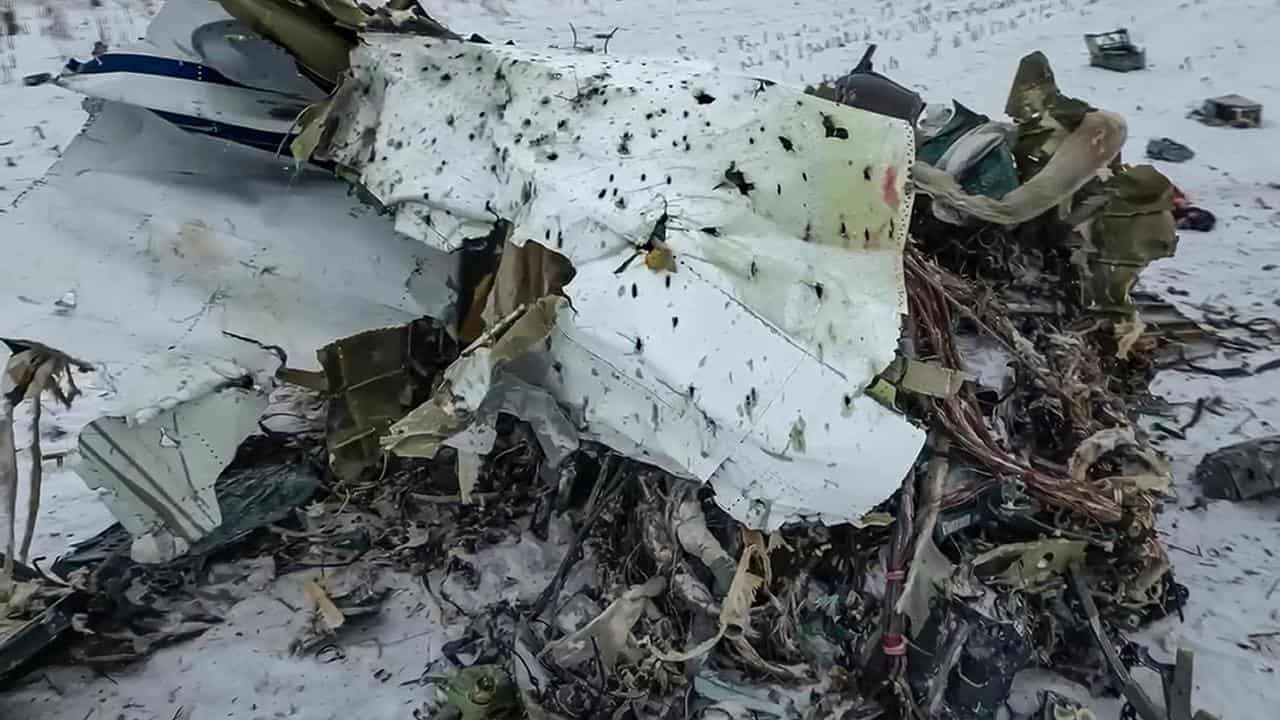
(836, 389)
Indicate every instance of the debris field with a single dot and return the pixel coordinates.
(672, 392)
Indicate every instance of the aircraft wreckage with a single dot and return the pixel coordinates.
(723, 281)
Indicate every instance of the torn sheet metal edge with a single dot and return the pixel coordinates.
(468, 385)
(164, 238)
(556, 435)
(194, 97)
(786, 215)
(202, 32)
(253, 99)
(166, 241)
(158, 478)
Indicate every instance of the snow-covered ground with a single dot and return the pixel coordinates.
(963, 49)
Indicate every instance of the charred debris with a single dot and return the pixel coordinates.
(1023, 535)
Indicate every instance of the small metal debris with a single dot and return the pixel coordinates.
(1234, 110)
(1169, 150)
(1243, 471)
(1114, 51)
(959, 574)
(66, 303)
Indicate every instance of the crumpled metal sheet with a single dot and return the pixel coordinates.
(1134, 228)
(153, 254)
(371, 380)
(169, 241)
(467, 384)
(1242, 471)
(319, 47)
(158, 478)
(785, 216)
(463, 411)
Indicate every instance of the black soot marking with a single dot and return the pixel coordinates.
(735, 177)
(832, 130)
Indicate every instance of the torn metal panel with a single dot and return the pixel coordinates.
(1242, 471)
(469, 382)
(136, 466)
(182, 254)
(308, 34)
(556, 434)
(207, 103)
(205, 72)
(246, 58)
(930, 570)
(250, 496)
(742, 357)
(1044, 114)
(524, 274)
(1133, 229)
(165, 238)
(372, 379)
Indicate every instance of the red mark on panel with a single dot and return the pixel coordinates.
(889, 188)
